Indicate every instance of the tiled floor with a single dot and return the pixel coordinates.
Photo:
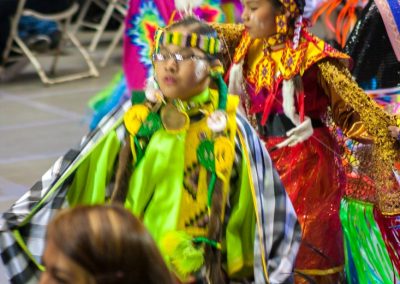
(40, 123)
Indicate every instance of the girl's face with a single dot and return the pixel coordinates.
(259, 18)
(181, 72)
(62, 270)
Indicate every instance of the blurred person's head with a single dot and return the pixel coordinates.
(101, 244)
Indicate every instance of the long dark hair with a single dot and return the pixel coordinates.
(124, 171)
(110, 244)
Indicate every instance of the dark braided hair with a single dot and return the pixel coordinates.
(124, 171)
(300, 4)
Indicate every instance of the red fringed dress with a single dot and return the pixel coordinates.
(311, 171)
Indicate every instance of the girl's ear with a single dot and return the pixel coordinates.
(215, 63)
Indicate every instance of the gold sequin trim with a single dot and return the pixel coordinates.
(376, 121)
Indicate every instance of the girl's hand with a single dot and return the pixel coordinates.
(394, 131)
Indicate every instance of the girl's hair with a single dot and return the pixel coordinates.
(110, 244)
(277, 4)
(194, 25)
(300, 4)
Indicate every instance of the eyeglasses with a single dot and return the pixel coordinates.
(177, 57)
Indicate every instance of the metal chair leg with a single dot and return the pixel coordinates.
(104, 20)
(92, 67)
(57, 51)
(41, 72)
(81, 16)
(32, 58)
(116, 39)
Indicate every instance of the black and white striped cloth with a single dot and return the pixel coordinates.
(280, 235)
(33, 211)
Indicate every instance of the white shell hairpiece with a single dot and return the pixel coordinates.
(309, 8)
(297, 30)
(186, 6)
(217, 121)
(152, 91)
(236, 79)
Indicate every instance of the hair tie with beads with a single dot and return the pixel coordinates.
(216, 73)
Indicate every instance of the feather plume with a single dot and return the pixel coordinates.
(180, 251)
(187, 6)
(152, 90)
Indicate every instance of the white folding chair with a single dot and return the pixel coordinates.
(63, 19)
(112, 8)
(117, 37)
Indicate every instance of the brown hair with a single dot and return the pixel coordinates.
(110, 244)
(277, 4)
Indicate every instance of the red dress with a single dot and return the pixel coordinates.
(311, 171)
(312, 175)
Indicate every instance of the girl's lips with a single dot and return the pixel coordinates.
(169, 80)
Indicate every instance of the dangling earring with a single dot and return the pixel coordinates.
(152, 91)
(281, 23)
(200, 69)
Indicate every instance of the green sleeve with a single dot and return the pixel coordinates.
(92, 176)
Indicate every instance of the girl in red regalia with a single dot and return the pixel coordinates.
(288, 79)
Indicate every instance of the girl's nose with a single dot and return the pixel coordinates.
(171, 65)
(245, 15)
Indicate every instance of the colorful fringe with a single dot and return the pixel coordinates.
(113, 95)
(366, 253)
(390, 228)
(388, 98)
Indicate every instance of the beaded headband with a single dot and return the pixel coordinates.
(208, 44)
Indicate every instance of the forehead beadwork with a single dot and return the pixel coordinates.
(210, 45)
